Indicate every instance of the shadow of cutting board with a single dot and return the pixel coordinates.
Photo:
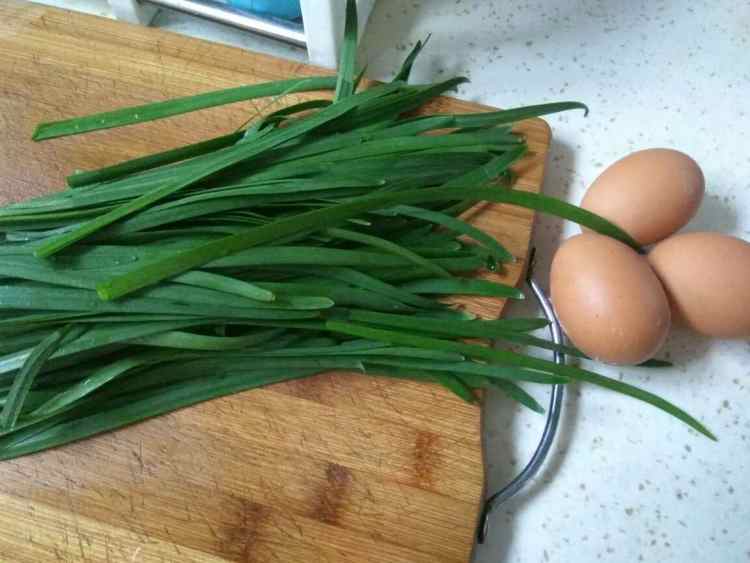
(330, 469)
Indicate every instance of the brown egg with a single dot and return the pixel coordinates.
(608, 299)
(707, 280)
(650, 193)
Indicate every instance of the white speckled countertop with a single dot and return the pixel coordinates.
(625, 483)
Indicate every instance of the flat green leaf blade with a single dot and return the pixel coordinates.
(364, 354)
(25, 378)
(491, 171)
(354, 146)
(380, 113)
(225, 284)
(498, 251)
(348, 57)
(166, 300)
(456, 386)
(423, 124)
(282, 255)
(99, 335)
(457, 328)
(177, 106)
(530, 340)
(65, 399)
(489, 371)
(504, 356)
(322, 218)
(405, 71)
(80, 179)
(300, 107)
(519, 394)
(463, 286)
(391, 247)
(371, 283)
(220, 160)
(407, 352)
(341, 294)
(191, 341)
(564, 210)
(128, 409)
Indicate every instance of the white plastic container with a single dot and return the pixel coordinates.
(324, 27)
(323, 21)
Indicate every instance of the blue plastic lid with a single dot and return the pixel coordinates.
(286, 9)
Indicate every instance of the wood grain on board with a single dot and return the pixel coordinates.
(338, 467)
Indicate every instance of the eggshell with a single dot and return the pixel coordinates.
(608, 299)
(650, 193)
(707, 279)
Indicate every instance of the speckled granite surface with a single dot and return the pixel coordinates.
(625, 483)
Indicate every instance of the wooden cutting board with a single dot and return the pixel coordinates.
(330, 469)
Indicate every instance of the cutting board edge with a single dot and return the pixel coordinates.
(483, 399)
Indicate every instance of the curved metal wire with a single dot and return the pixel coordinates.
(550, 426)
